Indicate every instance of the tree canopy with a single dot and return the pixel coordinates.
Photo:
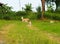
(57, 2)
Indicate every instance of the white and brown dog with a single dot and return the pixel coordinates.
(26, 20)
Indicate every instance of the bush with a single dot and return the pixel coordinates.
(54, 16)
(31, 15)
(20, 13)
(6, 18)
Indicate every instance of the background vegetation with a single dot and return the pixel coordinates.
(7, 14)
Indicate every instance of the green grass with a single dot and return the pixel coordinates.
(3, 23)
(19, 33)
(47, 26)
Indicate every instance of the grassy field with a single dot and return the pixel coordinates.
(17, 32)
(47, 26)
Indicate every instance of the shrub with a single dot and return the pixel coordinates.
(31, 15)
(54, 16)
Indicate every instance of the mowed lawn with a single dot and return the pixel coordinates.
(17, 32)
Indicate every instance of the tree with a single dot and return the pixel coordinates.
(57, 2)
(5, 11)
(38, 9)
(4, 8)
(43, 9)
(28, 7)
(1, 4)
(47, 1)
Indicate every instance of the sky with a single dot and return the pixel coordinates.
(18, 4)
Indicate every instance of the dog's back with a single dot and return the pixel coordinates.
(25, 19)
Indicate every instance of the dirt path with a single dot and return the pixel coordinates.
(6, 28)
(50, 36)
(4, 32)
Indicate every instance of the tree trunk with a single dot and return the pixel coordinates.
(43, 9)
(56, 7)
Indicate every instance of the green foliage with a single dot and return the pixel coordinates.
(28, 12)
(50, 8)
(5, 9)
(6, 17)
(21, 13)
(57, 2)
(38, 9)
(28, 7)
(54, 16)
(7, 14)
(32, 15)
